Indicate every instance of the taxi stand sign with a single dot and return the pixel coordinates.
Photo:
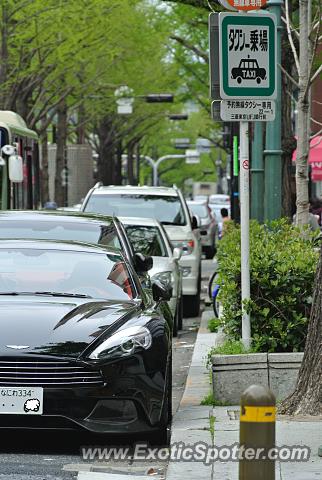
(247, 56)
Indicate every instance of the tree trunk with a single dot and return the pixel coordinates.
(118, 164)
(44, 163)
(60, 189)
(137, 159)
(4, 55)
(307, 398)
(81, 125)
(105, 164)
(288, 140)
(130, 163)
(302, 191)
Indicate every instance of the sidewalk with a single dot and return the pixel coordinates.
(191, 424)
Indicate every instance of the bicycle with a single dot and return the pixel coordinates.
(213, 290)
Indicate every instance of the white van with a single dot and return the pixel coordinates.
(169, 207)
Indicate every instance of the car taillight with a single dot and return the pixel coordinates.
(191, 244)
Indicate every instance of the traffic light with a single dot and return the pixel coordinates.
(178, 116)
(159, 98)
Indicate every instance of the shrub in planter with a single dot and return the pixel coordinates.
(282, 268)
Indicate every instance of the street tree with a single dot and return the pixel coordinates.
(304, 41)
(307, 397)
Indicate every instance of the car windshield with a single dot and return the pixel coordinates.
(166, 209)
(200, 210)
(147, 240)
(64, 273)
(60, 230)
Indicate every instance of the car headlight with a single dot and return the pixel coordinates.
(123, 343)
(163, 277)
(185, 245)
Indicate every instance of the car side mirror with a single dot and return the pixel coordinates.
(161, 291)
(142, 263)
(177, 253)
(195, 222)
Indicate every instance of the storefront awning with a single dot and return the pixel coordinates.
(315, 158)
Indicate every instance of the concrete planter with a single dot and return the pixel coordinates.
(232, 374)
(283, 369)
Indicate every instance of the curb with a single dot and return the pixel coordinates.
(192, 421)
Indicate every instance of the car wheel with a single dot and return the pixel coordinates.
(162, 436)
(258, 80)
(239, 79)
(191, 305)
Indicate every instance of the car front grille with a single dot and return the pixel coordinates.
(49, 374)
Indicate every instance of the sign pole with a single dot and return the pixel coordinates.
(244, 230)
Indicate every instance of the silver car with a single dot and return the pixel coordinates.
(149, 237)
(207, 225)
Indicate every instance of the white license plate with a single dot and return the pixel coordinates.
(21, 400)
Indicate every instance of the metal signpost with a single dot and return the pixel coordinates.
(247, 88)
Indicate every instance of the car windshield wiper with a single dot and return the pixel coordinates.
(53, 294)
(63, 294)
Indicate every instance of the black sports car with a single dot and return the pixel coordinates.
(73, 226)
(82, 345)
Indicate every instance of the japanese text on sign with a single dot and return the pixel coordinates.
(248, 3)
(247, 110)
(257, 40)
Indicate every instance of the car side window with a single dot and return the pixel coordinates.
(109, 237)
(146, 240)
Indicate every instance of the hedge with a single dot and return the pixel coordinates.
(282, 269)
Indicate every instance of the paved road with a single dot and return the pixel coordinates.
(50, 456)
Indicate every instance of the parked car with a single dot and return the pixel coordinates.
(216, 210)
(208, 226)
(49, 225)
(148, 236)
(169, 207)
(216, 203)
(219, 199)
(82, 345)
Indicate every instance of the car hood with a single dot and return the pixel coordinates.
(61, 326)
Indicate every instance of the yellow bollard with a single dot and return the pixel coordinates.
(257, 434)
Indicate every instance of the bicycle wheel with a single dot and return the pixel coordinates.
(213, 290)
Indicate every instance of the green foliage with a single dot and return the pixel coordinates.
(229, 347)
(212, 401)
(214, 324)
(282, 268)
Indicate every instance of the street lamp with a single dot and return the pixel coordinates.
(124, 100)
(191, 156)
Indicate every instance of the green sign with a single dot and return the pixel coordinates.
(247, 55)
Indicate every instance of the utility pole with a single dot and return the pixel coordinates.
(257, 174)
(273, 152)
